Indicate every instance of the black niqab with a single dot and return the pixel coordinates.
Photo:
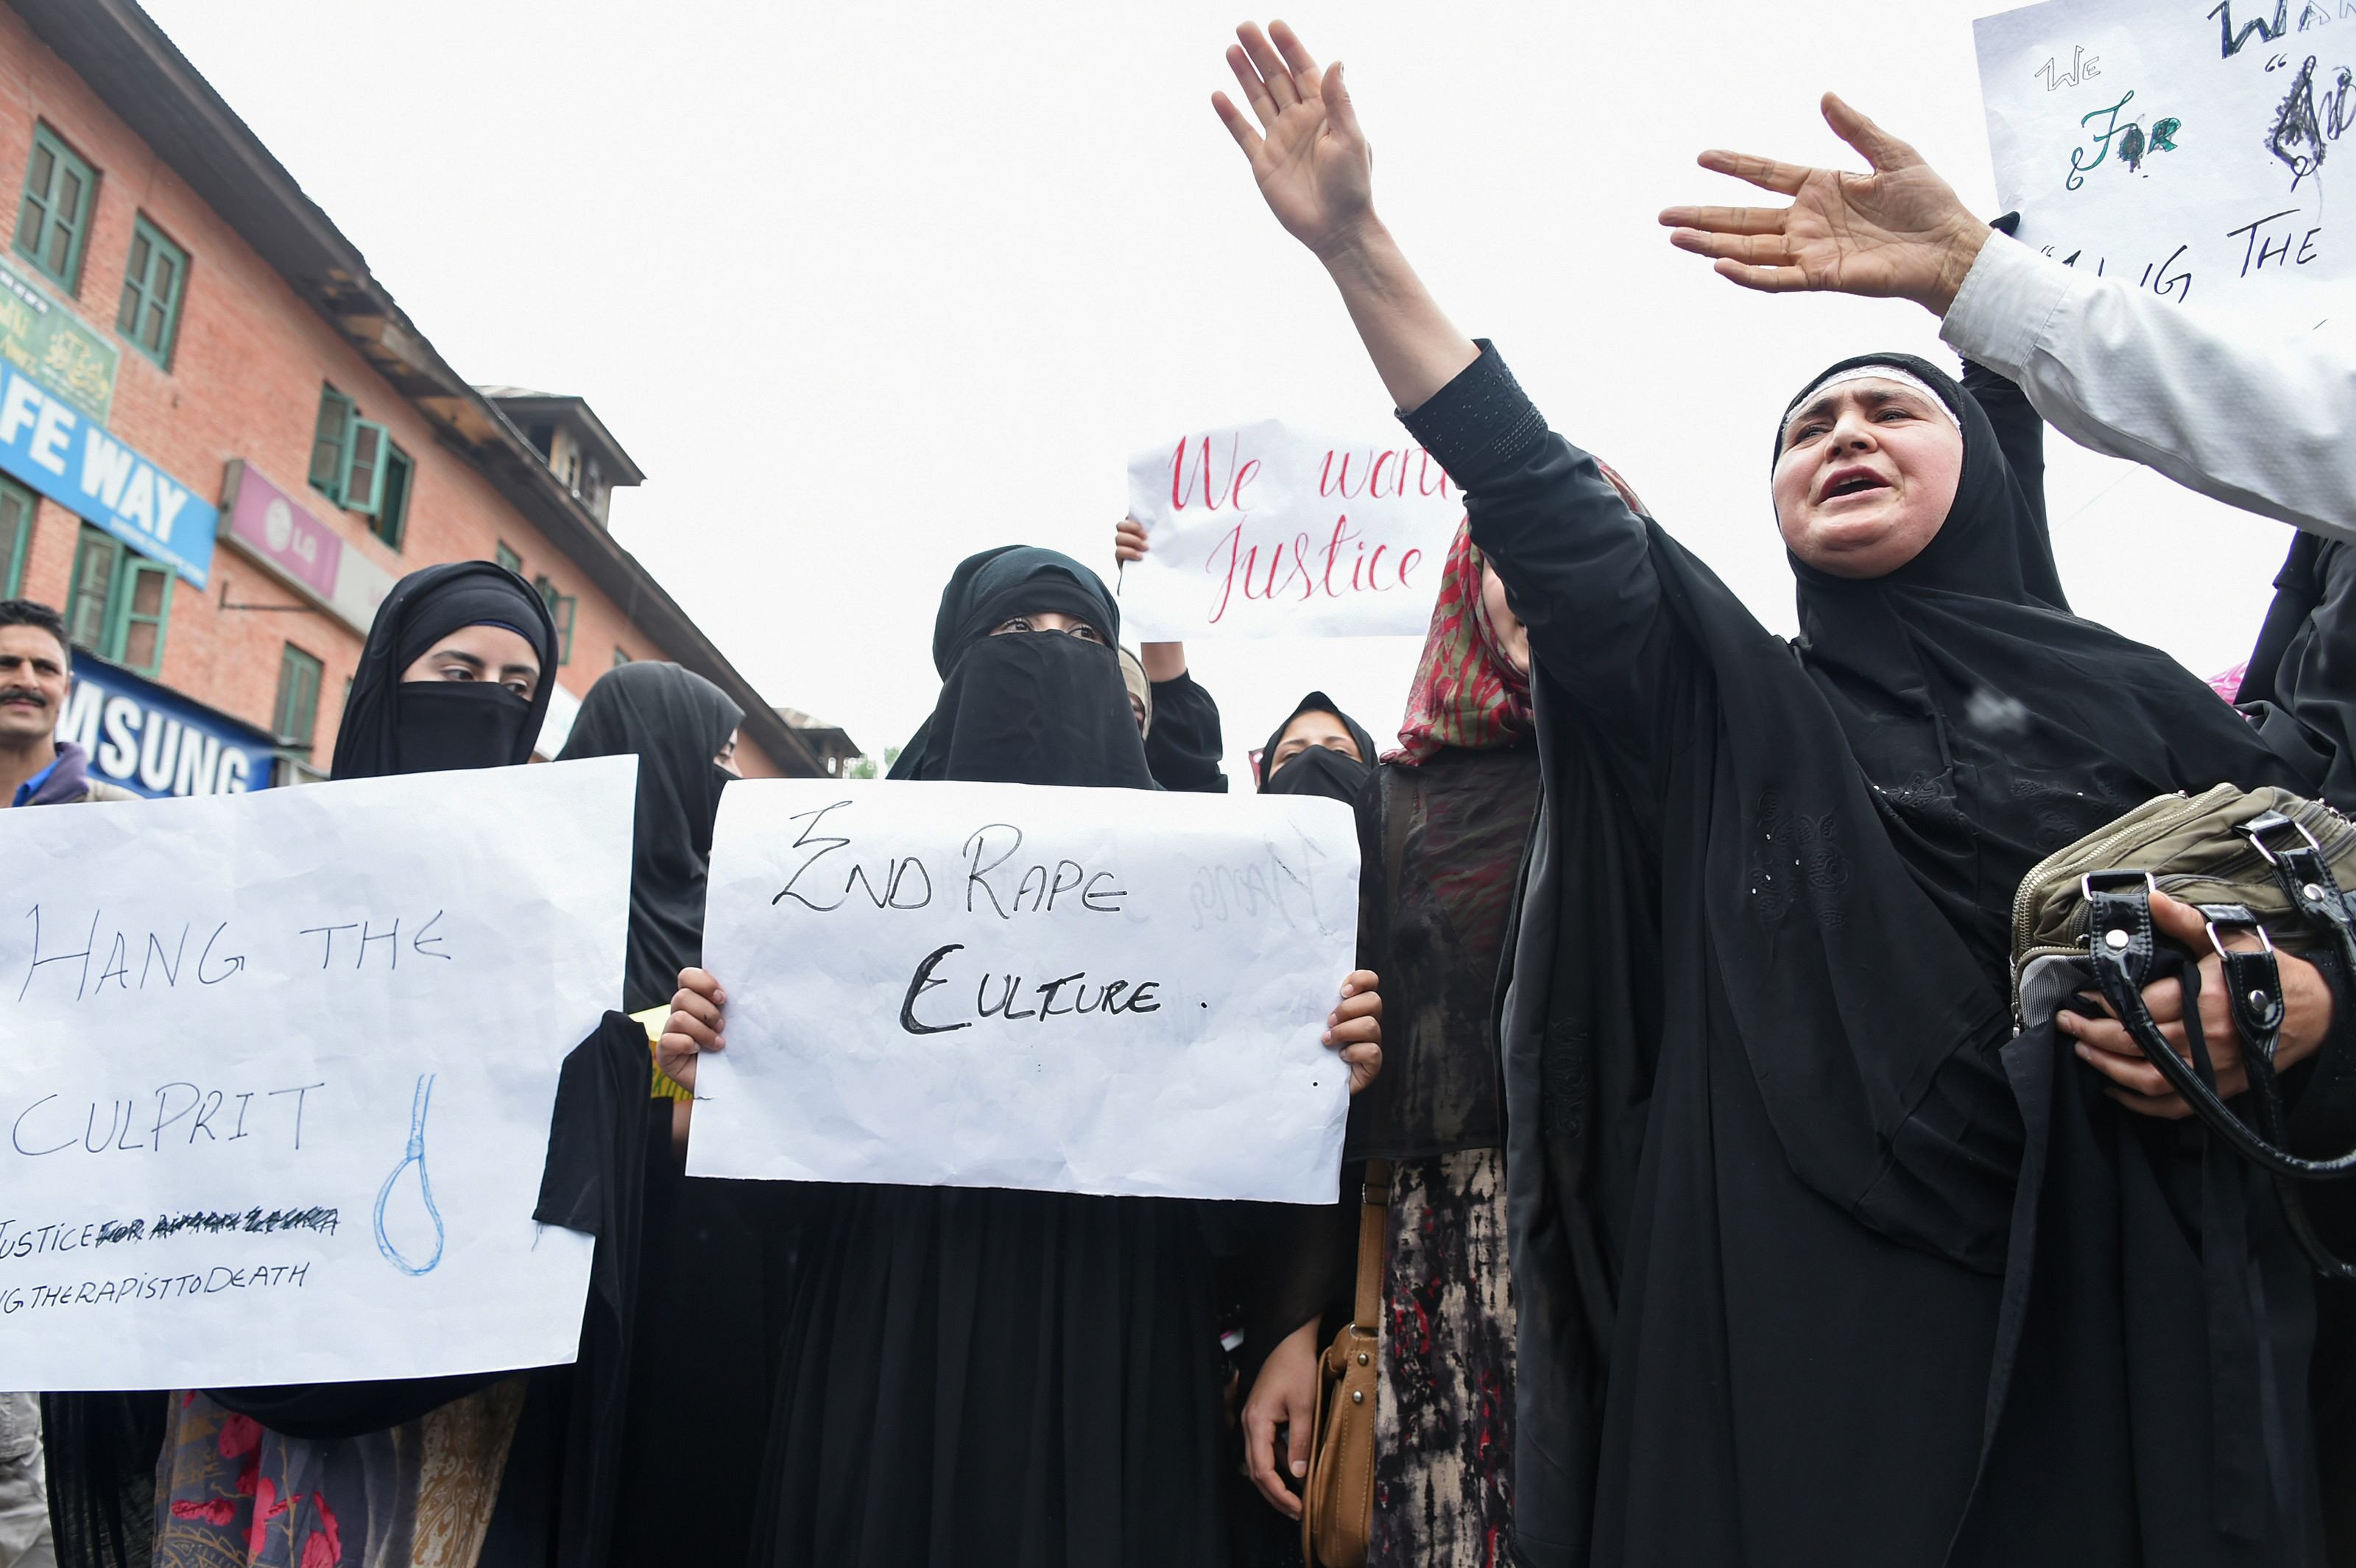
(1318, 769)
(396, 726)
(675, 722)
(1026, 707)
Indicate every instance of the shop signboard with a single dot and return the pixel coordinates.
(50, 343)
(76, 461)
(152, 739)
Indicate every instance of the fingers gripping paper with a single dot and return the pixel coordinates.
(1075, 990)
(276, 1073)
(2182, 146)
(1263, 530)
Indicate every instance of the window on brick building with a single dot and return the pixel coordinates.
(391, 519)
(149, 315)
(509, 560)
(15, 537)
(120, 602)
(294, 716)
(561, 608)
(621, 657)
(60, 191)
(351, 457)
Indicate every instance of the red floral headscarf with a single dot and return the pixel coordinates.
(1466, 692)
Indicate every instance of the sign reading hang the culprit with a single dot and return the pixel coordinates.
(276, 1072)
(2182, 146)
(1263, 530)
(1071, 990)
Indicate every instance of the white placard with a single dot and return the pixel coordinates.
(2182, 146)
(1075, 990)
(1262, 530)
(276, 1072)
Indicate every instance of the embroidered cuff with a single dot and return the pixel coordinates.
(1481, 423)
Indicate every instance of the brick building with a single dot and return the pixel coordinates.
(221, 440)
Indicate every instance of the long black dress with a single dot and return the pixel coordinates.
(1765, 1142)
(975, 1375)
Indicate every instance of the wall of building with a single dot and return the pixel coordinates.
(244, 382)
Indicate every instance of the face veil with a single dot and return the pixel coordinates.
(396, 726)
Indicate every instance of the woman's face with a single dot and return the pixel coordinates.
(1312, 728)
(724, 759)
(481, 653)
(1512, 636)
(1048, 620)
(1866, 476)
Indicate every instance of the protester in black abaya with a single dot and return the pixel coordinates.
(1334, 752)
(1778, 1302)
(1024, 1378)
(455, 675)
(1183, 745)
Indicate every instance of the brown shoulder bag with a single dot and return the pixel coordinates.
(1337, 1505)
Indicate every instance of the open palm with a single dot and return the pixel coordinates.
(1899, 232)
(1311, 162)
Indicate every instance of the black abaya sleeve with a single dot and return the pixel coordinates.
(1183, 748)
(2019, 430)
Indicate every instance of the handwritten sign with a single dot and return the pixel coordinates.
(276, 1072)
(2179, 145)
(1074, 990)
(1267, 532)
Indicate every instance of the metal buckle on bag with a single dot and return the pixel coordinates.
(2086, 884)
(2265, 943)
(2256, 828)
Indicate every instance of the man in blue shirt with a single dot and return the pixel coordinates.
(36, 671)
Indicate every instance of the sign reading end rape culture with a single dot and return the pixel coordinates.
(276, 1072)
(2179, 147)
(1263, 530)
(1070, 990)
(72, 459)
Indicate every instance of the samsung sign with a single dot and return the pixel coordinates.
(155, 741)
(71, 458)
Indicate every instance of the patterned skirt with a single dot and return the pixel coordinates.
(1444, 1424)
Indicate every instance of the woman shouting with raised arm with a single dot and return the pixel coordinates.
(1764, 1151)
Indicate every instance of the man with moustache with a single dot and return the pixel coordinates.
(36, 671)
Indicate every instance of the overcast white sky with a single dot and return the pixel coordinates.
(866, 288)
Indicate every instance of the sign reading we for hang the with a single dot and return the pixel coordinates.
(1266, 530)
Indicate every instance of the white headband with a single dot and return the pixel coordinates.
(1897, 373)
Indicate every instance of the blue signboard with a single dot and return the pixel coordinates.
(71, 458)
(155, 740)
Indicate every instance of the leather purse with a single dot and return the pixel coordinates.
(1337, 1504)
(2264, 863)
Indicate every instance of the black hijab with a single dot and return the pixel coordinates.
(1042, 708)
(675, 722)
(1992, 727)
(396, 726)
(1317, 771)
(2300, 685)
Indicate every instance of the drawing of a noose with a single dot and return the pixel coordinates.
(415, 1155)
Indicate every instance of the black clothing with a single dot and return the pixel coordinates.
(1762, 1146)
(2300, 686)
(396, 726)
(1026, 1379)
(1183, 747)
(1317, 771)
(990, 587)
(676, 721)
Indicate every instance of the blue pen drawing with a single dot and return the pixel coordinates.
(416, 1157)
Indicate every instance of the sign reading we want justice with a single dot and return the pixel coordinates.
(1265, 530)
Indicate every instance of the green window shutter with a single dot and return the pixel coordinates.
(149, 313)
(143, 606)
(96, 558)
(565, 608)
(327, 441)
(15, 537)
(296, 716)
(393, 517)
(621, 657)
(59, 192)
(509, 560)
(364, 464)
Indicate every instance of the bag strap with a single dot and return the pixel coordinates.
(2125, 959)
(1374, 1239)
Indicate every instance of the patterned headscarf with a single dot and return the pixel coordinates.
(1466, 692)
